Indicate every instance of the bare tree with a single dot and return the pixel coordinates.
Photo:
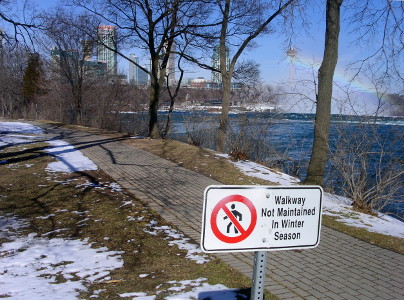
(104, 101)
(20, 24)
(374, 23)
(378, 27)
(17, 22)
(318, 160)
(367, 165)
(240, 23)
(64, 43)
(173, 96)
(11, 85)
(153, 27)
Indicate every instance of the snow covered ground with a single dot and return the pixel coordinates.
(200, 289)
(30, 265)
(69, 159)
(333, 205)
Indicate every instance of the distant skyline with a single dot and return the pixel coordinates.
(274, 63)
(270, 53)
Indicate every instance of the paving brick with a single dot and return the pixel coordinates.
(382, 295)
(320, 288)
(315, 293)
(332, 295)
(287, 296)
(300, 292)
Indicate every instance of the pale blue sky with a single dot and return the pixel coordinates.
(270, 53)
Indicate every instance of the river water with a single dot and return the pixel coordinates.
(285, 140)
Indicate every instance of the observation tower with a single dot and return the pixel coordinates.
(292, 54)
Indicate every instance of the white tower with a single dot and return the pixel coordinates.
(292, 54)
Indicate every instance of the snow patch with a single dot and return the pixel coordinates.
(174, 237)
(69, 159)
(18, 127)
(253, 169)
(30, 266)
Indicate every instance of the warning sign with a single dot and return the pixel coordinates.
(257, 218)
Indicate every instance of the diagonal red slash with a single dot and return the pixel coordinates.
(233, 219)
(222, 205)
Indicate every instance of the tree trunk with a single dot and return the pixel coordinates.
(153, 107)
(173, 97)
(78, 107)
(226, 80)
(154, 98)
(224, 116)
(318, 160)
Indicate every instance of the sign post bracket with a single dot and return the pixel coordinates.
(260, 262)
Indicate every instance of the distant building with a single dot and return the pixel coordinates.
(170, 68)
(132, 78)
(216, 76)
(94, 69)
(214, 85)
(64, 63)
(88, 47)
(143, 76)
(136, 74)
(107, 46)
(198, 83)
(67, 64)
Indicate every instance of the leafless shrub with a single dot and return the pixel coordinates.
(368, 165)
(243, 138)
(56, 104)
(250, 138)
(12, 66)
(200, 130)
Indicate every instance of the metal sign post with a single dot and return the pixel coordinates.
(260, 219)
(260, 262)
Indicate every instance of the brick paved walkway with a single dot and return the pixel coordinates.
(341, 267)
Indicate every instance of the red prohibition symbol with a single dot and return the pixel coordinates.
(244, 233)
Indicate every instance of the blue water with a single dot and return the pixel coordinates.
(285, 140)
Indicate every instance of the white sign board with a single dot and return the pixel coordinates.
(260, 218)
